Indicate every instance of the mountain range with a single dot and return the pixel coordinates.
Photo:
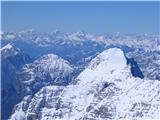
(78, 76)
(106, 89)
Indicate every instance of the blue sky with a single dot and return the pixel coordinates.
(92, 17)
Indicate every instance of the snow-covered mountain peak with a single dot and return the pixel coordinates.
(10, 50)
(7, 47)
(47, 70)
(50, 61)
(14, 55)
(27, 31)
(80, 33)
(114, 61)
(49, 57)
(114, 58)
(111, 64)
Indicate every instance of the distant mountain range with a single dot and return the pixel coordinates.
(79, 76)
(79, 48)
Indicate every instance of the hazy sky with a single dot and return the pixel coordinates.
(92, 17)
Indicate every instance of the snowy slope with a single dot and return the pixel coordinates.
(105, 90)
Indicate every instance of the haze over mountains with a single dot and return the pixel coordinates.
(80, 76)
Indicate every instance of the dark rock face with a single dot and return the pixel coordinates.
(135, 70)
